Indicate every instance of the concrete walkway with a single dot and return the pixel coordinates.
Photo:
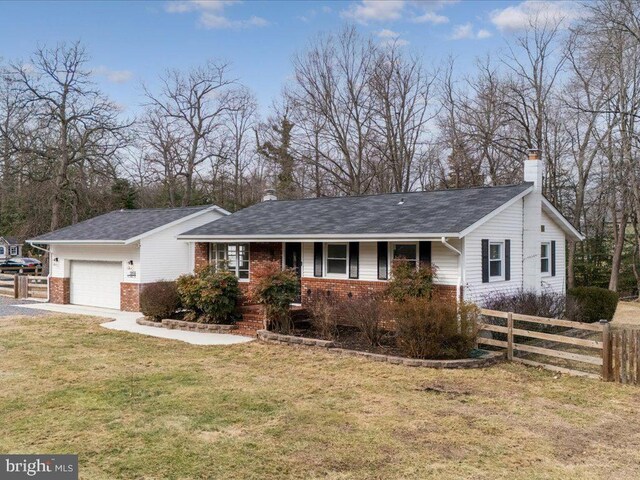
(126, 322)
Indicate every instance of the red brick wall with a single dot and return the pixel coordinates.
(201, 254)
(59, 290)
(130, 296)
(344, 287)
(259, 253)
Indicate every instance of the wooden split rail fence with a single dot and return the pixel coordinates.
(24, 286)
(521, 343)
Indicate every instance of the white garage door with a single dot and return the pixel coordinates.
(96, 284)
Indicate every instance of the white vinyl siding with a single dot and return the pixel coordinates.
(553, 232)
(164, 257)
(507, 225)
(99, 253)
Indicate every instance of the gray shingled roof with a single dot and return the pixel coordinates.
(434, 212)
(11, 240)
(119, 225)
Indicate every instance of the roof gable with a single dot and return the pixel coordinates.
(10, 240)
(440, 212)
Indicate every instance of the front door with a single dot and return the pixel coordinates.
(293, 259)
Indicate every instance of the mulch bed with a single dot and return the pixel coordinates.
(350, 338)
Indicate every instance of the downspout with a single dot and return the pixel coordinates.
(40, 248)
(443, 240)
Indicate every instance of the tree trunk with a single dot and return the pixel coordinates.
(617, 254)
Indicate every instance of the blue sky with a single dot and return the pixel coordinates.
(134, 42)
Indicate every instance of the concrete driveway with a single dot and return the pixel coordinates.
(126, 322)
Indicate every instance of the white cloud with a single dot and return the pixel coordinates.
(212, 14)
(113, 76)
(521, 16)
(431, 17)
(386, 33)
(466, 32)
(374, 10)
(389, 37)
(182, 6)
(211, 20)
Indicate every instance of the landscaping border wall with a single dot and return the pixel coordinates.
(187, 326)
(488, 359)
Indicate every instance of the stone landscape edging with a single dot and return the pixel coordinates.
(490, 358)
(173, 324)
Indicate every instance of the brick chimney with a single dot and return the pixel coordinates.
(531, 222)
(533, 169)
(269, 194)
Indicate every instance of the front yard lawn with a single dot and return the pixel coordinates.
(137, 407)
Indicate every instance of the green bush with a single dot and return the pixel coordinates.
(410, 282)
(159, 300)
(435, 329)
(211, 296)
(276, 289)
(595, 303)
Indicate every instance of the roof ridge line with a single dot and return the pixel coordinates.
(483, 187)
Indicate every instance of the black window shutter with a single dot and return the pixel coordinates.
(425, 252)
(507, 259)
(354, 259)
(485, 260)
(553, 258)
(383, 253)
(317, 259)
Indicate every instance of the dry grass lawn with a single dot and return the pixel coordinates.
(136, 407)
(627, 314)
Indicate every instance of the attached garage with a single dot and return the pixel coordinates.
(95, 284)
(106, 261)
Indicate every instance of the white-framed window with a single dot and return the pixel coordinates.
(233, 256)
(407, 252)
(496, 261)
(13, 250)
(2, 250)
(545, 258)
(337, 258)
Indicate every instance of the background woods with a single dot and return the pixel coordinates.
(357, 116)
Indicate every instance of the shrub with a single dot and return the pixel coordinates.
(407, 281)
(365, 313)
(212, 296)
(276, 289)
(435, 329)
(544, 304)
(323, 313)
(595, 303)
(159, 300)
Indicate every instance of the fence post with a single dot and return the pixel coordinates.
(606, 350)
(510, 336)
(16, 287)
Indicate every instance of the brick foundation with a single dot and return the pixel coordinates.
(130, 296)
(60, 290)
(358, 288)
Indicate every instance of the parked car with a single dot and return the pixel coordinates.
(20, 265)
